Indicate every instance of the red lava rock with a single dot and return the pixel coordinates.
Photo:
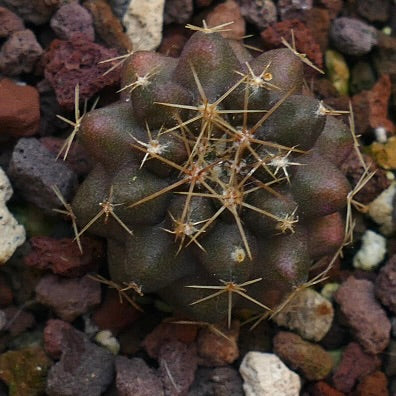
(289, 9)
(305, 42)
(77, 159)
(18, 320)
(364, 314)
(177, 365)
(9, 22)
(318, 21)
(354, 365)
(370, 108)
(69, 298)
(63, 257)
(178, 11)
(19, 53)
(385, 285)
(173, 40)
(226, 12)
(53, 336)
(215, 349)
(259, 13)
(353, 170)
(71, 19)
(322, 388)
(108, 27)
(68, 63)
(310, 359)
(115, 315)
(375, 384)
(166, 332)
(19, 109)
(6, 295)
(135, 377)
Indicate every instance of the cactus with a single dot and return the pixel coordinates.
(215, 177)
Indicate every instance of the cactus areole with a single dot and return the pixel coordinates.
(222, 179)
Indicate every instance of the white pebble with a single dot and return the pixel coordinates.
(107, 340)
(264, 374)
(372, 251)
(380, 134)
(381, 210)
(143, 21)
(12, 234)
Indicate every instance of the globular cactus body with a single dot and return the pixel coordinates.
(226, 174)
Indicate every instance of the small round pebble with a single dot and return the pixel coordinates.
(311, 360)
(352, 37)
(71, 19)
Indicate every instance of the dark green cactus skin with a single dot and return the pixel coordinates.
(273, 227)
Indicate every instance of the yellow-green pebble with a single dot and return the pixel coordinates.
(337, 70)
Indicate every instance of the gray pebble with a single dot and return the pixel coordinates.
(84, 368)
(352, 37)
(34, 170)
